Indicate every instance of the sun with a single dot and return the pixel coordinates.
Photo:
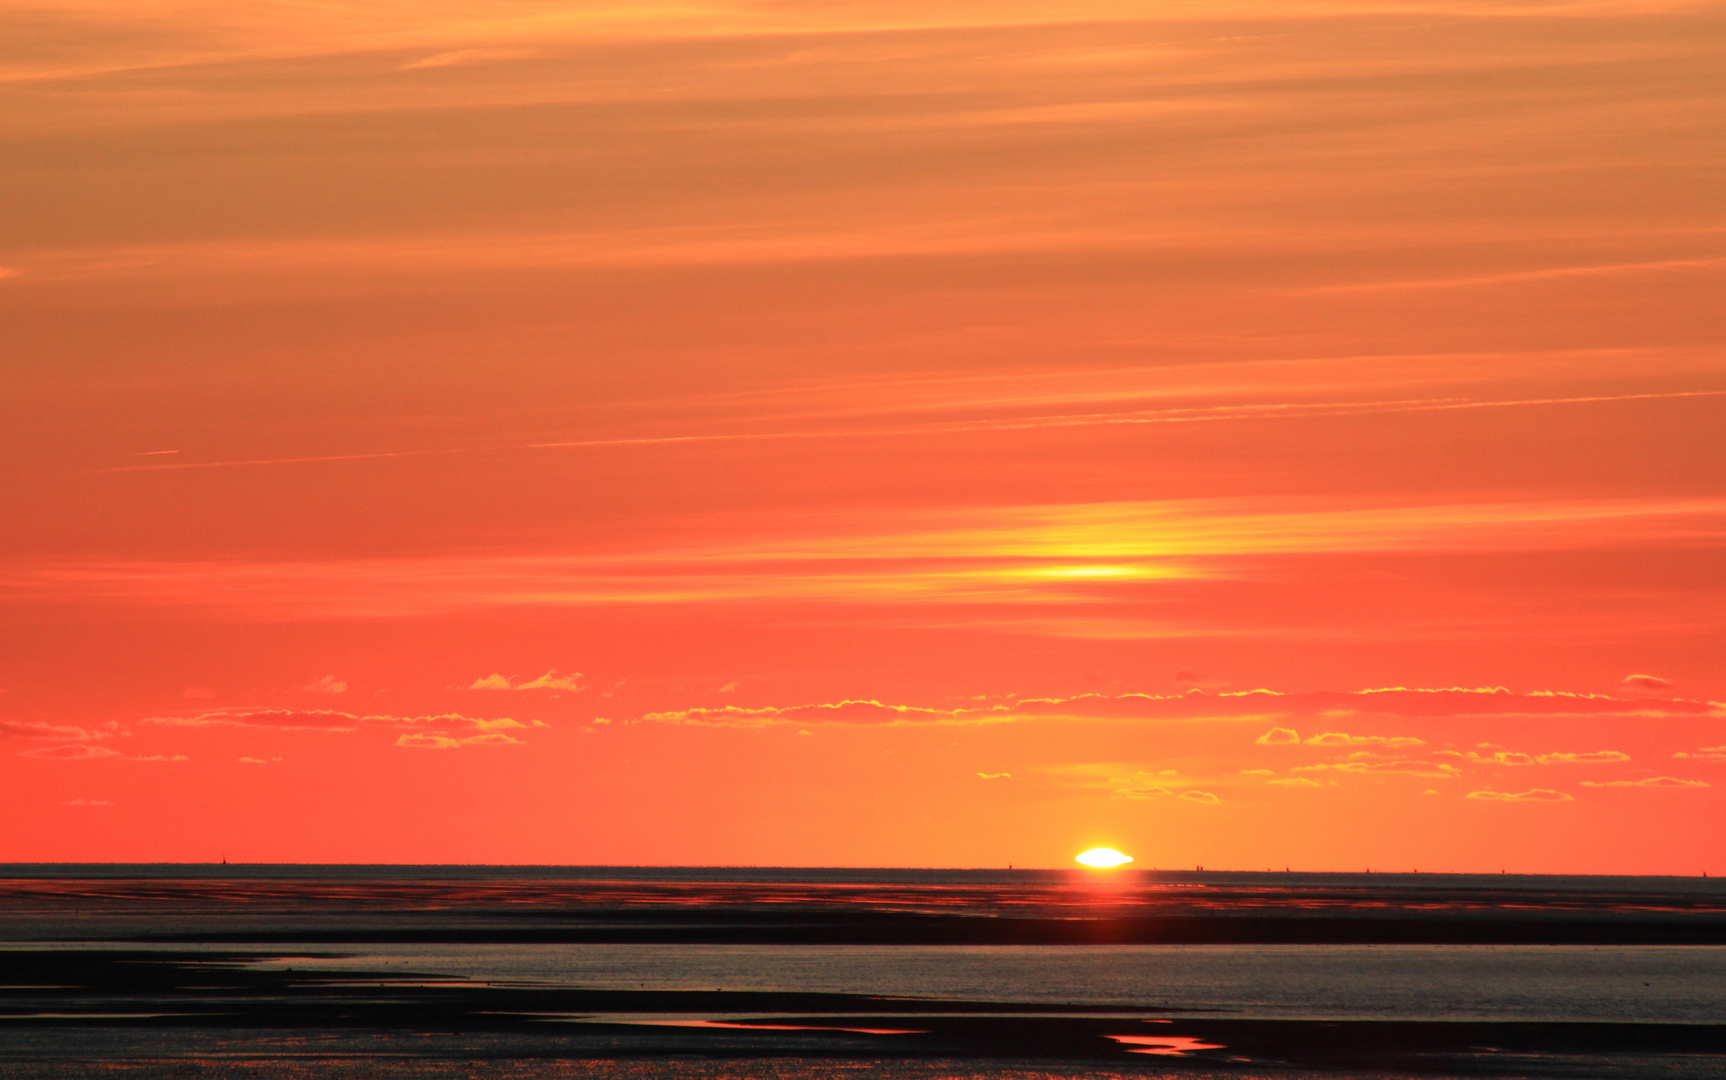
(1102, 858)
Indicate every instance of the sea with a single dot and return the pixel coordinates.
(466, 925)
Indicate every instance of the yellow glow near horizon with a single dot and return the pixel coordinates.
(1102, 858)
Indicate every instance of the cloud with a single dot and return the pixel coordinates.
(1139, 792)
(1369, 765)
(278, 719)
(87, 802)
(1198, 682)
(1707, 753)
(1534, 795)
(1258, 772)
(996, 775)
(441, 731)
(1337, 738)
(197, 692)
(1645, 682)
(258, 760)
(1512, 757)
(333, 721)
(36, 729)
(1595, 757)
(838, 712)
(1199, 797)
(1390, 704)
(551, 680)
(326, 684)
(1295, 781)
(1143, 784)
(160, 757)
(75, 752)
(1498, 757)
(1650, 782)
(431, 740)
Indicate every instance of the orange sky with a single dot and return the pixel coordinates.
(856, 432)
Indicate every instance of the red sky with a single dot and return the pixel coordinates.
(864, 433)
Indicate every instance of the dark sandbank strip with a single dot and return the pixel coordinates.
(357, 909)
(750, 928)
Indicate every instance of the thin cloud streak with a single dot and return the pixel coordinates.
(1292, 410)
(1548, 274)
(1041, 555)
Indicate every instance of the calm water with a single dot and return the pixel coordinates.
(1681, 984)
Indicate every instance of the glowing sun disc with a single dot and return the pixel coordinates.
(1102, 858)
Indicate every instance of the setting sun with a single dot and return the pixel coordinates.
(1102, 858)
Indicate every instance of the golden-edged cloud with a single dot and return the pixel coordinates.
(41, 729)
(1707, 753)
(331, 720)
(1338, 738)
(436, 731)
(551, 680)
(1249, 705)
(87, 752)
(1140, 791)
(433, 740)
(1648, 782)
(73, 752)
(1371, 765)
(1645, 682)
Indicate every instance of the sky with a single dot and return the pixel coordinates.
(1250, 433)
